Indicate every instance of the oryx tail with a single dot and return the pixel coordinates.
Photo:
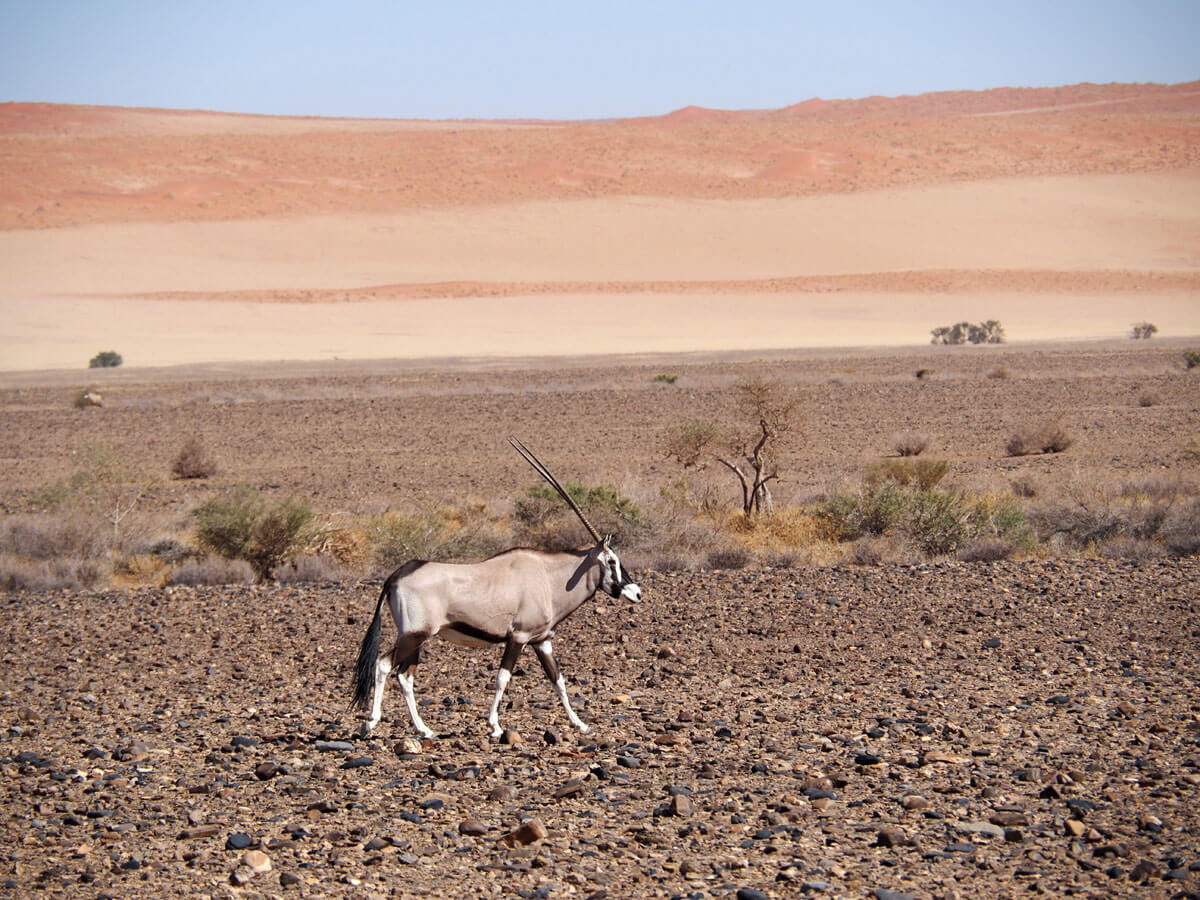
(364, 669)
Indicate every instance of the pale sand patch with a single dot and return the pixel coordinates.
(66, 333)
(1139, 222)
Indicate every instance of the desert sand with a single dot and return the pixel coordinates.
(825, 224)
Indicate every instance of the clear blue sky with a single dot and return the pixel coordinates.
(570, 59)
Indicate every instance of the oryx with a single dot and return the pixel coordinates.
(515, 598)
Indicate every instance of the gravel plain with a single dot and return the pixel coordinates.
(938, 730)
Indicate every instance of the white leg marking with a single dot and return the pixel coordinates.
(546, 651)
(561, 684)
(502, 677)
(410, 700)
(383, 666)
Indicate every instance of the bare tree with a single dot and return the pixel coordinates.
(766, 417)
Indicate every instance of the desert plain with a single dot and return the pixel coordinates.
(358, 313)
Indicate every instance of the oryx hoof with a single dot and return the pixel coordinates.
(366, 728)
(427, 733)
(583, 728)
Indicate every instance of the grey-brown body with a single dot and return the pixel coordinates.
(516, 598)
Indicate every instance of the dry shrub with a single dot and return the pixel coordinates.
(1048, 437)
(731, 557)
(987, 550)
(1000, 372)
(1094, 516)
(194, 460)
(50, 536)
(22, 574)
(308, 568)
(1023, 487)
(1147, 399)
(786, 530)
(923, 474)
(464, 532)
(212, 570)
(348, 547)
(140, 569)
(909, 444)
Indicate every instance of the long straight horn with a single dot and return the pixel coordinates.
(545, 473)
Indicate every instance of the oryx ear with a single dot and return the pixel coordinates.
(606, 542)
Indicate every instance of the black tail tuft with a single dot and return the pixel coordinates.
(368, 654)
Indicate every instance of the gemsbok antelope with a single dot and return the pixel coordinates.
(515, 598)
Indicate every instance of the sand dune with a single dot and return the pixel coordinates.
(159, 233)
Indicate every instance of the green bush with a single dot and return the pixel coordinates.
(935, 522)
(105, 359)
(241, 525)
(543, 519)
(1191, 358)
(438, 534)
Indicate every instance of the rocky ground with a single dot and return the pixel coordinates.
(943, 730)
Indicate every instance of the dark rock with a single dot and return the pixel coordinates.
(751, 894)
(238, 841)
(358, 762)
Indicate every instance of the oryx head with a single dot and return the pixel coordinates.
(614, 580)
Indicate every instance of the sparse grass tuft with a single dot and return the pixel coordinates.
(921, 473)
(665, 379)
(1191, 358)
(194, 460)
(909, 444)
(1048, 437)
(465, 532)
(212, 570)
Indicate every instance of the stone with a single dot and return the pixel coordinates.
(334, 746)
(680, 805)
(751, 894)
(256, 861)
(289, 879)
(1009, 818)
(200, 831)
(358, 762)
(914, 802)
(238, 841)
(892, 836)
(502, 793)
(1074, 828)
(886, 894)
(572, 788)
(472, 827)
(1145, 870)
(525, 834)
(510, 738)
(266, 771)
(410, 746)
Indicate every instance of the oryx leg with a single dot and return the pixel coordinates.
(383, 668)
(545, 655)
(408, 653)
(512, 650)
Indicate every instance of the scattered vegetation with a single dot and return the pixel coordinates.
(442, 533)
(242, 525)
(902, 502)
(999, 372)
(1191, 358)
(105, 359)
(750, 448)
(909, 444)
(543, 520)
(666, 379)
(1047, 437)
(989, 332)
(1141, 517)
(923, 374)
(194, 460)
(1143, 331)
